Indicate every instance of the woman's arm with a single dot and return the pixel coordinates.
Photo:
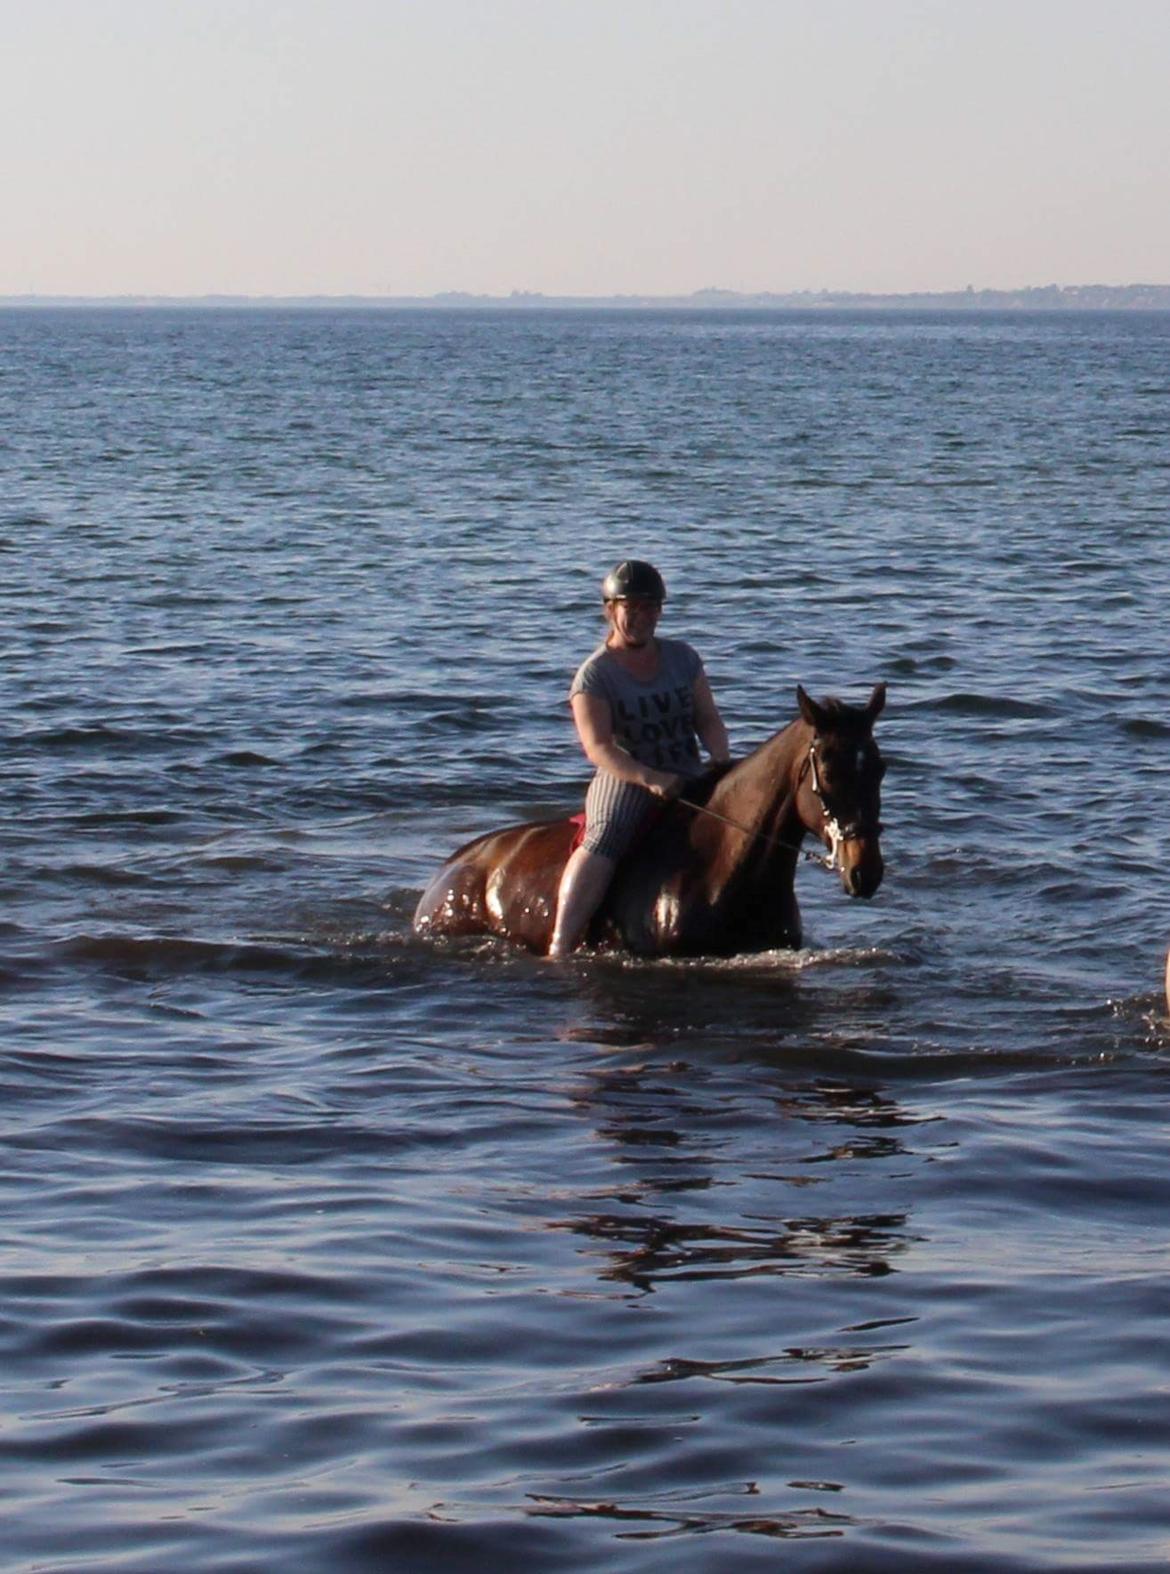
(595, 730)
(709, 723)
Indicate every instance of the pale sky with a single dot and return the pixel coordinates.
(581, 147)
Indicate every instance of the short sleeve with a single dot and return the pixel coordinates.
(589, 679)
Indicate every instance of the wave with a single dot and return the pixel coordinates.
(169, 952)
(973, 704)
(338, 956)
(99, 738)
(111, 875)
(244, 758)
(24, 520)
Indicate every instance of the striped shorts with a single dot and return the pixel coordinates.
(615, 812)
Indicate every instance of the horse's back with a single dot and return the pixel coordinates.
(502, 883)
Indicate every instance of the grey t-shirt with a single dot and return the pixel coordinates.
(654, 721)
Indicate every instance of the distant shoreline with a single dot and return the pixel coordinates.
(1048, 297)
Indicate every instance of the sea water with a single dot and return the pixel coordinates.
(326, 1248)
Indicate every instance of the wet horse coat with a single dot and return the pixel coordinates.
(716, 879)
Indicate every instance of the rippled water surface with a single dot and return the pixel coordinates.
(328, 1249)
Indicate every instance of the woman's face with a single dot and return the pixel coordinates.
(633, 621)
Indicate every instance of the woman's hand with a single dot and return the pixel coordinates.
(666, 786)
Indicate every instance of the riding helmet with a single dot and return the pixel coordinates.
(632, 578)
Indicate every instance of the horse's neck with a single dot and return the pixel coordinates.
(760, 791)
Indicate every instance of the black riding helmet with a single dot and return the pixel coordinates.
(633, 579)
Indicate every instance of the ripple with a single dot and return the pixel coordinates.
(327, 1249)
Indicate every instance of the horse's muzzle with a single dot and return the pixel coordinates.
(861, 866)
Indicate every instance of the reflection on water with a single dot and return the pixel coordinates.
(679, 1136)
(790, 1366)
(654, 1248)
(689, 1517)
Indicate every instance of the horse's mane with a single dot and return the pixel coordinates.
(851, 720)
(700, 788)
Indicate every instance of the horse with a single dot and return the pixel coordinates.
(714, 874)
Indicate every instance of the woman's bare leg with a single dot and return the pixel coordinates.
(583, 884)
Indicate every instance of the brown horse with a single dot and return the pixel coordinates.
(714, 875)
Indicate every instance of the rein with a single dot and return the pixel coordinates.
(773, 841)
(836, 834)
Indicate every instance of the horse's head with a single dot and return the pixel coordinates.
(838, 792)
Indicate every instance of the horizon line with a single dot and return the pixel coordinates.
(1083, 295)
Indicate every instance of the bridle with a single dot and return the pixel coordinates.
(836, 832)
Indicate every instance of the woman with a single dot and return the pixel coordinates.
(640, 705)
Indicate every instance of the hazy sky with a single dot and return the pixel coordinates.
(581, 146)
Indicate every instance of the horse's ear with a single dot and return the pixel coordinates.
(877, 703)
(810, 710)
